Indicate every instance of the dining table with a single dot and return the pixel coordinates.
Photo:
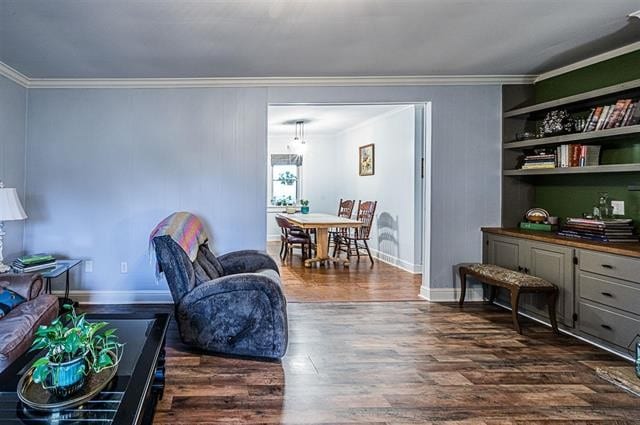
(321, 223)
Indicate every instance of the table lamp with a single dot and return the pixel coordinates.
(10, 209)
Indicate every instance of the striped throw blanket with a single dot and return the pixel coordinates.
(184, 228)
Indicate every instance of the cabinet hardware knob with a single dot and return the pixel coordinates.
(607, 266)
(607, 327)
(606, 294)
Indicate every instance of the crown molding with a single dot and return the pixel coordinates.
(15, 76)
(125, 83)
(58, 83)
(589, 61)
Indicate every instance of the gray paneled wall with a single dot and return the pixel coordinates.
(104, 165)
(13, 102)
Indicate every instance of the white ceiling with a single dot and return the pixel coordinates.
(298, 38)
(322, 119)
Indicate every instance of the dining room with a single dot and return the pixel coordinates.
(345, 193)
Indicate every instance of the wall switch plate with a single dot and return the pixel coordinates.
(88, 266)
(124, 268)
(618, 207)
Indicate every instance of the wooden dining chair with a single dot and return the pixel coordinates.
(352, 243)
(290, 236)
(345, 210)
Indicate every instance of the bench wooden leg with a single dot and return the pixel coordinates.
(493, 291)
(553, 296)
(463, 285)
(515, 300)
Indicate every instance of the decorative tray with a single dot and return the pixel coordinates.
(36, 397)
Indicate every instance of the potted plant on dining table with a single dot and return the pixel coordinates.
(304, 206)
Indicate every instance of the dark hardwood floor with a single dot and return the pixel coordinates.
(402, 362)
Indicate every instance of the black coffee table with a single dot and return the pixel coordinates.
(131, 396)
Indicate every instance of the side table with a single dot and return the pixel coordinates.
(62, 267)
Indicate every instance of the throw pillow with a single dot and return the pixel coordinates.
(8, 301)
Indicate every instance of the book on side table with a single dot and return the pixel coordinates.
(34, 262)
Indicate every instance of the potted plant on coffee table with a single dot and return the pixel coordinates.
(74, 348)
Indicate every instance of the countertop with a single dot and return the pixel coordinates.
(626, 249)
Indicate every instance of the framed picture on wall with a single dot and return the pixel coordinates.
(367, 160)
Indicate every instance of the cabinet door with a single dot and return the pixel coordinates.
(555, 264)
(503, 252)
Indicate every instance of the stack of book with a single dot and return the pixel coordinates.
(32, 263)
(623, 113)
(577, 156)
(607, 230)
(538, 161)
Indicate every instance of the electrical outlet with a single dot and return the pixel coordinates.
(618, 207)
(124, 268)
(88, 266)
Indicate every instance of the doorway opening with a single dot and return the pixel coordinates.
(324, 153)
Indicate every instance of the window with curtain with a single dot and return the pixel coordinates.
(285, 179)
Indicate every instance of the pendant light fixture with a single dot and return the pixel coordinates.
(299, 143)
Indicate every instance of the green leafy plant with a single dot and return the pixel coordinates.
(304, 202)
(72, 337)
(283, 201)
(287, 178)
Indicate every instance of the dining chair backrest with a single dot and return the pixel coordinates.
(284, 225)
(345, 208)
(365, 214)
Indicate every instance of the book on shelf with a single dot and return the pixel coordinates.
(620, 114)
(577, 155)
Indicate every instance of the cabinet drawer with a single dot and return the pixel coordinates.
(607, 325)
(609, 291)
(610, 265)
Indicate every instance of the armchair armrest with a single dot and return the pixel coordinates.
(247, 261)
(231, 283)
(27, 285)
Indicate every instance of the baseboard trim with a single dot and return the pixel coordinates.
(119, 297)
(397, 262)
(447, 295)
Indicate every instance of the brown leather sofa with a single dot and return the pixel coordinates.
(17, 327)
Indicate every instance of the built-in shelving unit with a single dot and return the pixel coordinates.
(524, 119)
(518, 185)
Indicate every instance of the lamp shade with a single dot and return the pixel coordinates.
(10, 206)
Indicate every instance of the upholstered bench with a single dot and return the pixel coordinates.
(517, 283)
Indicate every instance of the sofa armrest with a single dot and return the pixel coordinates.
(27, 285)
(247, 261)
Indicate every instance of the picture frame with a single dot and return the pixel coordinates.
(366, 160)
